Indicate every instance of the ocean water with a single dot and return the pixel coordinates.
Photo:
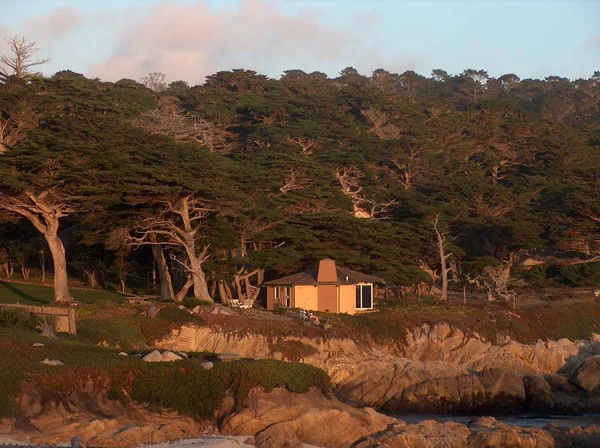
(525, 420)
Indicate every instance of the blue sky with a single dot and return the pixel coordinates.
(187, 40)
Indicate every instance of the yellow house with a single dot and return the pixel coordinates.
(327, 288)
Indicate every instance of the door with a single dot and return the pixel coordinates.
(327, 298)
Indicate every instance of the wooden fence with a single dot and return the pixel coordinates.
(64, 318)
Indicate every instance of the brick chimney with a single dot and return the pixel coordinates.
(327, 271)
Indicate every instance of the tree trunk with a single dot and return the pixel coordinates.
(166, 285)
(199, 279)
(441, 237)
(59, 260)
(92, 280)
(183, 291)
(43, 264)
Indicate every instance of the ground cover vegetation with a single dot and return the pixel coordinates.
(208, 190)
(89, 369)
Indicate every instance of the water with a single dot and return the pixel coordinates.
(524, 420)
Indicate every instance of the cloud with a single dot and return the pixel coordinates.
(190, 41)
(592, 43)
(54, 25)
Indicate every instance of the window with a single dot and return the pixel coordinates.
(283, 295)
(364, 297)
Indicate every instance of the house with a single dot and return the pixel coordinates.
(328, 288)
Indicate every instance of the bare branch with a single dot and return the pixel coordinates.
(20, 59)
(306, 144)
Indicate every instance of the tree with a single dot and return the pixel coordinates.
(18, 115)
(20, 60)
(176, 226)
(440, 75)
(474, 83)
(443, 255)
(44, 209)
(155, 81)
(509, 81)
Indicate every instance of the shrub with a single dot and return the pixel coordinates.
(115, 332)
(16, 317)
(293, 350)
(193, 391)
(180, 317)
(10, 381)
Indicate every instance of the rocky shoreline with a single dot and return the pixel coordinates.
(439, 369)
(278, 418)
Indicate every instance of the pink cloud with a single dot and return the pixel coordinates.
(54, 25)
(190, 41)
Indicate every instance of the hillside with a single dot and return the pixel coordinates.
(246, 173)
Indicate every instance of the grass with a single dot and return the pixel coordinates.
(28, 294)
(90, 370)
(553, 321)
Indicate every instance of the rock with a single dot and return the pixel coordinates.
(559, 383)
(156, 356)
(151, 312)
(51, 362)
(309, 418)
(539, 394)
(220, 309)
(38, 344)
(225, 357)
(424, 434)
(484, 432)
(502, 435)
(183, 354)
(437, 358)
(588, 374)
(196, 309)
(170, 357)
(122, 354)
(153, 356)
(206, 365)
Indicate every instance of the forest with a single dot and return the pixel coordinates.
(209, 190)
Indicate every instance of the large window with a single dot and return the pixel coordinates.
(283, 295)
(364, 297)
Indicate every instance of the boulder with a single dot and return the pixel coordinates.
(51, 362)
(490, 433)
(122, 354)
(283, 418)
(539, 394)
(206, 365)
(220, 309)
(38, 344)
(170, 357)
(153, 356)
(588, 374)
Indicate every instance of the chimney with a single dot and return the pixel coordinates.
(327, 271)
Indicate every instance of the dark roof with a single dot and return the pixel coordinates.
(310, 278)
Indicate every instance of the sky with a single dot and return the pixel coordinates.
(188, 40)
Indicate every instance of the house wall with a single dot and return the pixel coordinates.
(327, 298)
(270, 298)
(306, 297)
(348, 299)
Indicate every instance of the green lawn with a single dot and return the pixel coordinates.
(39, 295)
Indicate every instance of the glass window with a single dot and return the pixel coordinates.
(367, 296)
(364, 296)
